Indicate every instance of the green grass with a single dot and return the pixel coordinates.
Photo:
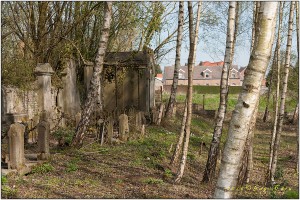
(42, 169)
(212, 101)
(153, 181)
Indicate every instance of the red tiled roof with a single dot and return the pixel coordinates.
(159, 75)
(211, 64)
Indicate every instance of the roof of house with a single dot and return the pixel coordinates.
(215, 72)
(211, 64)
(241, 69)
(159, 75)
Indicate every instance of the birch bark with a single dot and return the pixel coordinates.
(248, 98)
(283, 94)
(214, 147)
(191, 63)
(93, 92)
(172, 99)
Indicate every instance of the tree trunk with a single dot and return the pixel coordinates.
(214, 147)
(191, 63)
(248, 98)
(95, 81)
(172, 99)
(278, 61)
(247, 160)
(178, 148)
(283, 95)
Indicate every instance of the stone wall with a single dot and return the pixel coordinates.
(43, 96)
(15, 100)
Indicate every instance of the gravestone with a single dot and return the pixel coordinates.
(123, 127)
(77, 118)
(43, 129)
(110, 130)
(16, 146)
(44, 71)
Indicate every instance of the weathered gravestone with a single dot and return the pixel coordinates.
(43, 129)
(110, 130)
(123, 127)
(16, 146)
(77, 118)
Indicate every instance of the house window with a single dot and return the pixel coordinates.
(233, 75)
(206, 75)
(181, 75)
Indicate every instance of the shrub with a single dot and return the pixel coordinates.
(71, 167)
(64, 136)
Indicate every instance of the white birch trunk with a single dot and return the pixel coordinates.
(278, 61)
(191, 63)
(283, 94)
(172, 99)
(239, 124)
(214, 147)
(95, 81)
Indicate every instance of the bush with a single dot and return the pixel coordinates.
(64, 136)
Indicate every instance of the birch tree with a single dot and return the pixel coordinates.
(93, 92)
(172, 99)
(214, 147)
(283, 95)
(278, 63)
(191, 62)
(248, 98)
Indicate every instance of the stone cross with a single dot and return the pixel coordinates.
(16, 146)
(43, 129)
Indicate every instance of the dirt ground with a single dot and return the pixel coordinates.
(140, 169)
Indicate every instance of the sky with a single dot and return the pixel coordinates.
(211, 46)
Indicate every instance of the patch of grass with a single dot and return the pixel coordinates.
(119, 181)
(278, 173)
(3, 180)
(191, 156)
(291, 194)
(42, 169)
(8, 193)
(153, 181)
(71, 167)
(168, 173)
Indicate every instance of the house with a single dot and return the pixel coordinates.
(205, 73)
(158, 82)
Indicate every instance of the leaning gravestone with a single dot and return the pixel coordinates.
(123, 127)
(43, 129)
(16, 146)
